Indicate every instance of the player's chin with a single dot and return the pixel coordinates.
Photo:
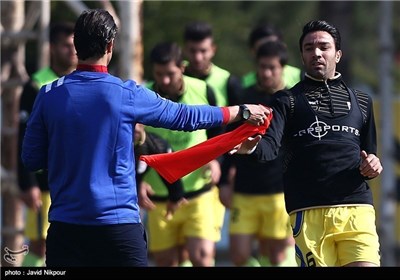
(318, 73)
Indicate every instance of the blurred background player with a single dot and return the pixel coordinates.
(147, 143)
(256, 200)
(191, 228)
(260, 34)
(199, 50)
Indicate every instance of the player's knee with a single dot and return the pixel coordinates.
(202, 257)
(239, 258)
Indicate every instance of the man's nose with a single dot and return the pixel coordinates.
(166, 80)
(317, 52)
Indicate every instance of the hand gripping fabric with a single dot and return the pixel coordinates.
(175, 165)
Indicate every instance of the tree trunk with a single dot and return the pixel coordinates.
(12, 67)
(339, 13)
(130, 39)
(388, 179)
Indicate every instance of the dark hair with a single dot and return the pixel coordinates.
(320, 25)
(197, 31)
(275, 49)
(60, 28)
(261, 31)
(165, 52)
(94, 29)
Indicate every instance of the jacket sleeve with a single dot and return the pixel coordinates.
(35, 143)
(26, 179)
(268, 147)
(149, 108)
(368, 133)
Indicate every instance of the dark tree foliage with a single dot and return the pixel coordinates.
(233, 20)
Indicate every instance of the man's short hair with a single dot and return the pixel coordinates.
(321, 25)
(165, 52)
(60, 28)
(197, 31)
(274, 49)
(94, 29)
(261, 31)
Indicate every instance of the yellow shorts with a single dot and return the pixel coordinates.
(262, 215)
(219, 214)
(195, 219)
(335, 236)
(37, 223)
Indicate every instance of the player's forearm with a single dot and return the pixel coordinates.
(252, 113)
(233, 114)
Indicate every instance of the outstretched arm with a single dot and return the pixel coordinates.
(154, 110)
(266, 147)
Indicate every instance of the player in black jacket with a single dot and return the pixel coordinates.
(148, 144)
(256, 201)
(329, 136)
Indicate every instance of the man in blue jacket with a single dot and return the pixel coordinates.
(81, 130)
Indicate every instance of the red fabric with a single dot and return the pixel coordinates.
(173, 166)
(92, 68)
(226, 115)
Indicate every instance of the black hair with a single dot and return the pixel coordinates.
(94, 29)
(165, 52)
(274, 48)
(60, 28)
(321, 25)
(197, 31)
(263, 30)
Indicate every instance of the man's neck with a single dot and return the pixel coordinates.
(91, 61)
(93, 65)
(199, 74)
(336, 75)
(176, 96)
(271, 90)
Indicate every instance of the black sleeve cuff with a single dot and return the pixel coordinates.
(175, 190)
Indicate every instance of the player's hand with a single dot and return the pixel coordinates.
(173, 206)
(258, 114)
(247, 146)
(32, 198)
(370, 165)
(145, 191)
(215, 169)
(225, 195)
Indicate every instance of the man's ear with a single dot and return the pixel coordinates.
(110, 46)
(338, 56)
(215, 47)
(183, 67)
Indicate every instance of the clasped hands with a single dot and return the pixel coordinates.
(258, 113)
